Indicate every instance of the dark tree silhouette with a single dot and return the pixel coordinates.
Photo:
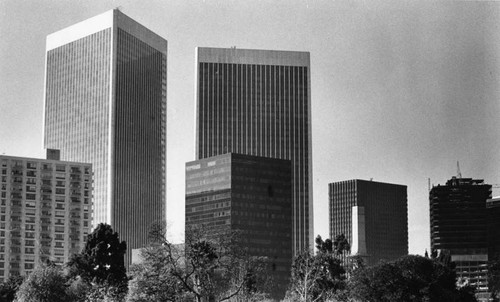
(9, 288)
(102, 259)
(410, 278)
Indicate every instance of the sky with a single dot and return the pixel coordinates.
(400, 90)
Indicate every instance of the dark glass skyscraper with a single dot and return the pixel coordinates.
(248, 194)
(493, 209)
(373, 217)
(105, 103)
(258, 102)
(459, 224)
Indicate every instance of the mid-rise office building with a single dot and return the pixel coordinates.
(459, 224)
(105, 104)
(373, 216)
(45, 211)
(258, 102)
(248, 194)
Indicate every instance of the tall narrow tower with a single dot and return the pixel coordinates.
(105, 104)
(258, 102)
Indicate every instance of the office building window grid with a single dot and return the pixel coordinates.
(139, 139)
(106, 93)
(385, 216)
(77, 106)
(259, 110)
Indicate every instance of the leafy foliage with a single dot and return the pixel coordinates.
(152, 279)
(410, 278)
(212, 267)
(9, 288)
(494, 278)
(102, 259)
(319, 277)
(44, 284)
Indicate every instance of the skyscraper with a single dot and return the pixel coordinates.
(372, 216)
(105, 103)
(258, 102)
(46, 211)
(459, 224)
(248, 194)
(493, 209)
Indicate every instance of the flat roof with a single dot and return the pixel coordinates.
(43, 160)
(252, 56)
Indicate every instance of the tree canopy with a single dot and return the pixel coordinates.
(321, 276)
(44, 284)
(209, 266)
(102, 259)
(410, 278)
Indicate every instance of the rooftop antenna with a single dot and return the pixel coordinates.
(429, 183)
(459, 174)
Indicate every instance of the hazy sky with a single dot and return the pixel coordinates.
(400, 90)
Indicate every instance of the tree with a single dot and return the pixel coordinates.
(410, 278)
(98, 272)
(44, 284)
(152, 279)
(102, 259)
(341, 245)
(9, 288)
(319, 277)
(305, 274)
(494, 278)
(324, 246)
(212, 267)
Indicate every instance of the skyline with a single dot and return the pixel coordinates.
(381, 73)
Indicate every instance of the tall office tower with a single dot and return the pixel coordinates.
(252, 195)
(373, 217)
(46, 211)
(458, 217)
(258, 102)
(105, 103)
(493, 209)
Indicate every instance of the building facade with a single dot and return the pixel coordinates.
(248, 194)
(46, 212)
(458, 217)
(493, 209)
(258, 102)
(105, 103)
(372, 215)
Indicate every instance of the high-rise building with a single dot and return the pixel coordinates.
(493, 209)
(372, 216)
(46, 211)
(258, 102)
(248, 194)
(458, 217)
(105, 103)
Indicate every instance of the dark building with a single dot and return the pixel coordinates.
(493, 208)
(373, 217)
(105, 104)
(251, 195)
(458, 217)
(258, 102)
